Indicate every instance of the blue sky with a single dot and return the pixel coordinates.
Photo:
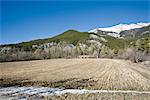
(29, 20)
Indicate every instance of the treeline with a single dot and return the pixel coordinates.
(138, 51)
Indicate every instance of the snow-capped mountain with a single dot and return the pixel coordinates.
(120, 27)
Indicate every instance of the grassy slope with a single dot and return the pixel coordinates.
(70, 36)
(117, 43)
(113, 42)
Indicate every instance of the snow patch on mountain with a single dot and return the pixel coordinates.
(120, 27)
(114, 34)
(94, 30)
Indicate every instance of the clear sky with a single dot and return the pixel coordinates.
(29, 20)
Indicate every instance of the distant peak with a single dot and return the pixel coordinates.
(121, 27)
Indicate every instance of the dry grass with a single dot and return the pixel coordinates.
(100, 96)
(77, 73)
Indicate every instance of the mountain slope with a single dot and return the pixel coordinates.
(136, 33)
(111, 39)
(70, 36)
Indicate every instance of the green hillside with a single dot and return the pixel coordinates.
(116, 42)
(70, 36)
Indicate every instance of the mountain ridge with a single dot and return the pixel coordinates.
(120, 27)
(74, 37)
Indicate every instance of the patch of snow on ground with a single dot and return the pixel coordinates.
(55, 91)
(22, 92)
